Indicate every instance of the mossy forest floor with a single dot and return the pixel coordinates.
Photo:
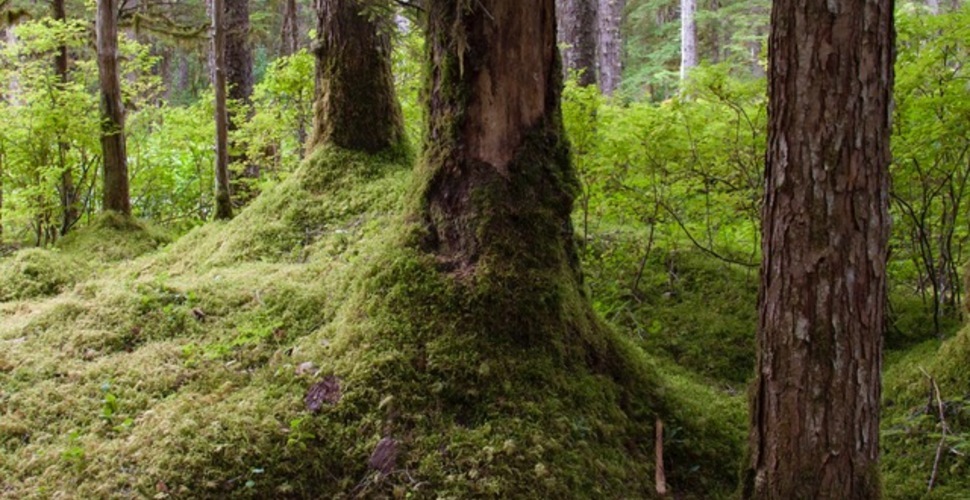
(307, 348)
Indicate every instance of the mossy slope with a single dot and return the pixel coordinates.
(912, 429)
(183, 372)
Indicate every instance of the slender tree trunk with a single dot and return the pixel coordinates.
(114, 156)
(68, 193)
(290, 31)
(577, 38)
(934, 6)
(815, 413)
(356, 106)
(501, 181)
(239, 79)
(688, 37)
(610, 51)
(223, 197)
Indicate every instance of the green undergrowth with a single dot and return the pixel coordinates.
(685, 305)
(182, 373)
(912, 430)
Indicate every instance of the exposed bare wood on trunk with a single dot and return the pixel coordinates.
(223, 196)
(356, 106)
(495, 133)
(610, 51)
(114, 156)
(815, 412)
(577, 38)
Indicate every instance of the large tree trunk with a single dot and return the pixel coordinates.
(501, 181)
(577, 37)
(290, 30)
(356, 106)
(815, 413)
(610, 50)
(688, 37)
(223, 196)
(114, 156)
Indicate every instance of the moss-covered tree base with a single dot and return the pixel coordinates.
(185, 372)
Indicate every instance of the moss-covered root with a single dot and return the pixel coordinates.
(444, 370)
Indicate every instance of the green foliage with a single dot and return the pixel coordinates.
(659, 179)
(931, 171)
(282, 116)
(51, 127)
(731, 32)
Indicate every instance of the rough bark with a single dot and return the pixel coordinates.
(356, 106)
(501, 182)
(113, 153)
(610, 45)
(576, 20)
(688, 37)
(239, 81)
(290, 31)
(815, 410)
(223, 196)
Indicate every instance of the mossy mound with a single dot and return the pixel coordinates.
(113, 237)
(35, 272)
(185, 373)
(912, 429)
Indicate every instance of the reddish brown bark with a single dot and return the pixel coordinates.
(499, 169)
(113, 152)
(815, 413)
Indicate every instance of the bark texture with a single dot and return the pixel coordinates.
(501, 182)
(223, 194)
(114, 155)
(290, 30)
(356, 106)
(688, 37)
(815, 412)
(576, 21)
(610, 45)
(239, 86)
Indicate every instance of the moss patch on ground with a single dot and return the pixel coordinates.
(911, 427)
(184, 372)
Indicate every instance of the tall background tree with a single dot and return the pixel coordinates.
(688, 37)
(577, 23)
(223, 189)
(114, 154)
(815, 413)
(356, 106)
(610, 52)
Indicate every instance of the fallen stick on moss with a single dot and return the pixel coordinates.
(660, 476)
(939, 447)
